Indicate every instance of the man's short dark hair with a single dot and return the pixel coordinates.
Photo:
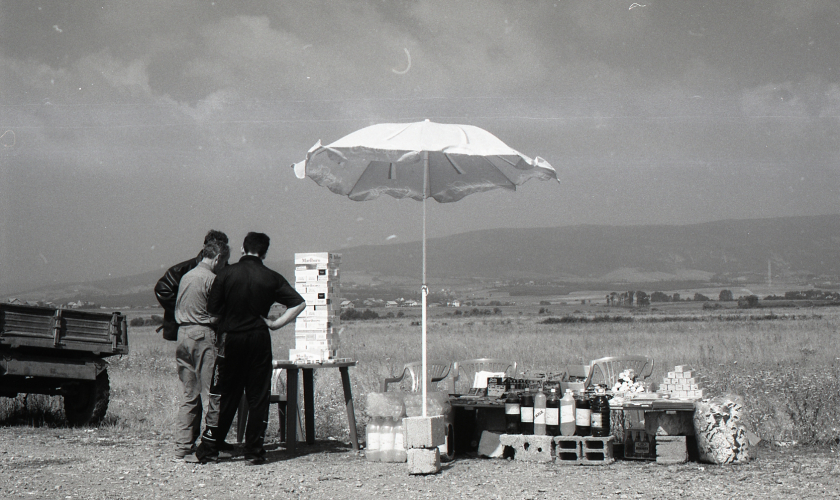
(213, 248)
(213, 235)
(256, 243)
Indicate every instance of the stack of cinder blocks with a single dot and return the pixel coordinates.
(423, 436)
(316, 328)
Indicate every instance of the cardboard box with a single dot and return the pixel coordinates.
(327, 311)
(318, 345)
(321, 324)
(305, 267)
(329, 288)
(317, 258)
(299, 355)
(316, 299)
(311, 336)
(310, 275)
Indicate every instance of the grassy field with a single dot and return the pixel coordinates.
(785, 363)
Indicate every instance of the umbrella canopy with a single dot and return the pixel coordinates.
(388, 159)
(419, 160)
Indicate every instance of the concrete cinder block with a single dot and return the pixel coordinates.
(567, 450)
(423, 461)
(424, 432)
(597, 450)
(671, 450)
(529, 448)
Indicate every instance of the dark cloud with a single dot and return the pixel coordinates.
(158, 120)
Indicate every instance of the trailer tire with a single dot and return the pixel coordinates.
(87, 402)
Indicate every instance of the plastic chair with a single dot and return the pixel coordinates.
(436, 371)
(607, 369)
(470, 367)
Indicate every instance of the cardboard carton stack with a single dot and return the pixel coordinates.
(316, 329)
(682, 383)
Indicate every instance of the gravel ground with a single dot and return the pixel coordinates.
(101, 464)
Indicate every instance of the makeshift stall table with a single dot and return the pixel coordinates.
(308, 370)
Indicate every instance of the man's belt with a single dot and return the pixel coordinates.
(207, 325)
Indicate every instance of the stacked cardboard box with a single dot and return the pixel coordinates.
(682, 383)
(316, 329)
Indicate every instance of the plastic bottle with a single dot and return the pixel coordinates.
(512, 413)
(600, 414)
(526, 409)
(372, 452)
(568, 419)
(552, 413)
(539, 413)
(386, 441)
(583, 416)
(400, 455)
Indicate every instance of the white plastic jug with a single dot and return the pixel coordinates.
(400, 454)
(386, 441)
(372, 438)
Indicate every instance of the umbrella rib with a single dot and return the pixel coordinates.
(454, 165)
(487, 159)
(400, 131)
(512, 164)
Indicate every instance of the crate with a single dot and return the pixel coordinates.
(639, 445)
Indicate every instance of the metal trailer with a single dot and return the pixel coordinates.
(45, 350)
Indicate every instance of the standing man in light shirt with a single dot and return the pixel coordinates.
(196, 351)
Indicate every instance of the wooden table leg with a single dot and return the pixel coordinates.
(309, 404)
(242, 419)
(291, 404)
(348, 402)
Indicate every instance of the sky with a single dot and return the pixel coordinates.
(130, 128)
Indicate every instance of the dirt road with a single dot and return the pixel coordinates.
(100, 464)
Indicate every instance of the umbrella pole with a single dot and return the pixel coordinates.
(424, 290)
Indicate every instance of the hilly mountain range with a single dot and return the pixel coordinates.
(798, 250)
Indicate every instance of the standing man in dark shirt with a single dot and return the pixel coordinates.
(166, 289)
(242, 296)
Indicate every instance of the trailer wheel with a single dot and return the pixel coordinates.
(87, 402)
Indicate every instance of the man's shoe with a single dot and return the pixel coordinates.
(181, 452)
(193, 458)
(224, 446)
(255, 459)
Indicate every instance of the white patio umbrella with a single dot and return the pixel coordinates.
(419, 160)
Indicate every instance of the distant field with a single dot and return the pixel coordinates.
(785, 362)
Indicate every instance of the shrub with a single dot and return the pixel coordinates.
(156, 320)
(353, 314)
(137, 322)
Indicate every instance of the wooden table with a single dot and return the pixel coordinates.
(292, 370)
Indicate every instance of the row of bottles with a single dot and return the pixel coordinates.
(385, 438)
(539, 414)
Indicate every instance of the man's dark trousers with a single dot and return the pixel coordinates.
(243, 363)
